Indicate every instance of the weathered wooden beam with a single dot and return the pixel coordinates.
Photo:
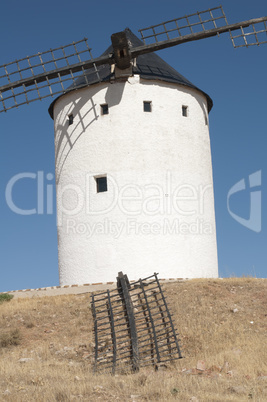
(123, 284)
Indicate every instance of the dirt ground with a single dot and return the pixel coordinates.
(46, 347)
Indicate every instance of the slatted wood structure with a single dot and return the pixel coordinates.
(133, 326)
(55, 71)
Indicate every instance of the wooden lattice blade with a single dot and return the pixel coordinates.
(44, 74)
(202, 25)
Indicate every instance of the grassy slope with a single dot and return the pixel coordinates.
(56, 337)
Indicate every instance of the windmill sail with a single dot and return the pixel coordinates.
(202, 25)
(255, 34)
(55, 71)
(189, 24)
(43, 74)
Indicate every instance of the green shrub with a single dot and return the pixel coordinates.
(5, 297)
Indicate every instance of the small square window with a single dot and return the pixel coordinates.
(147, 106)
(104, 108)
(70, 119)
(101, 184)
(184, 111)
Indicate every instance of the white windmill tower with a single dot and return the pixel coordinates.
(133, 162)
(129, 151)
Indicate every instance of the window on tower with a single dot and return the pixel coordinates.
(101, 184)
(185, 111)
(104, 109)
(70, 116)
(147, 106)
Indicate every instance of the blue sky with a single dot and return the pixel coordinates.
(234, 78)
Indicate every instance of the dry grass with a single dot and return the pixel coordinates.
(48, 352)
(10, 338)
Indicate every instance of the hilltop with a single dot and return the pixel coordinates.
(46, 348)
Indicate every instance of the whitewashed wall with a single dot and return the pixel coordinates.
(158, 212)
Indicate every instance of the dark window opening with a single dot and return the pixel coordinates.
(70, 119)
(101, 184)
(185, 111)
(104, 108)
(206, 120)
(147, 106)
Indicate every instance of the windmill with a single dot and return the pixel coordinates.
(164, 166)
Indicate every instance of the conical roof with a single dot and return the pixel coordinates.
(149, 66)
